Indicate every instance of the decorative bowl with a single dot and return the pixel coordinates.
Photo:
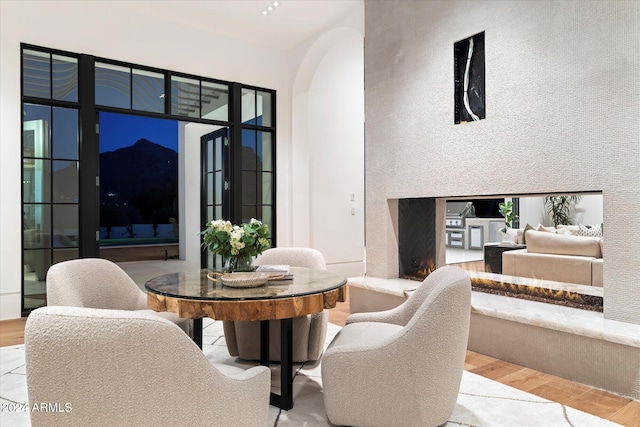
(242, 279)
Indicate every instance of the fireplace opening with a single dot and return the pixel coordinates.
(465, 232)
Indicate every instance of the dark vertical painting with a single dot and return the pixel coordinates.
(469, 79)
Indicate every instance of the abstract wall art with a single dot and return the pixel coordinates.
(469, 76)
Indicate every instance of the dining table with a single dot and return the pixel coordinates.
(203, 293)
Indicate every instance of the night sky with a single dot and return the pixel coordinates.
(120, 130)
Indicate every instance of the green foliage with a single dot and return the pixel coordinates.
(560, 208)
(506, 210)
(228, 240)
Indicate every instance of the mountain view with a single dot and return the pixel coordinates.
(138, 185)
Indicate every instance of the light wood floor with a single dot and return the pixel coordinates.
(587, 399)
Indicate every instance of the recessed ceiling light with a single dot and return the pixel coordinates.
(269, 8)
(275, 3)
(264, 12)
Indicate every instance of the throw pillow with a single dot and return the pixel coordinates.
(524, 233)
(592, 231)
(547, 229)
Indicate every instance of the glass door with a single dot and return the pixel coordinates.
(215, 185)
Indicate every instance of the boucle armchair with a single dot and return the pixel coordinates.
(128, 368)
(402, 366)
(309, 332)
(100, 283)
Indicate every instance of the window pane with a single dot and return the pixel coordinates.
(65, 254)
(215, 101)
(249, 158)
(209, 156)
(37, 226)
(35, 180)
(37, 261)
(267, 217)
(113, 85)
(148, 91)
(185, 97)
(249, 106)
(210, 188)
(248, 212)
(249, 190)
(218, 154)
(218, 199)
(65, 226)
(264, 109)
(267, 188)
(36, 130)
(265, 151)
(65, 182)
(64, 139)
(218, 214)
(210, 216)
(36, 72)
(65, 78)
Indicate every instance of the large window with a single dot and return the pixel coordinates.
(63, 95)
(257, 156)
(50, 165)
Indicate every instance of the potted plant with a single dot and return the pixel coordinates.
(560, 208)
(506, 210)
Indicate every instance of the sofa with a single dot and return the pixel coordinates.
(561, 256)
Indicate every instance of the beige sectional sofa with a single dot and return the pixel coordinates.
(557, 257)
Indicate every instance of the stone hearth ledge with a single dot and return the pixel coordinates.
(590, 324)
(571, 343)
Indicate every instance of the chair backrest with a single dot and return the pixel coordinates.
(431, 282)
(434, 341)
(403, 313)
(115, 367)
(295, 257)
(94, 283)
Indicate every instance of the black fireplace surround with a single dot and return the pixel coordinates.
(417, 237)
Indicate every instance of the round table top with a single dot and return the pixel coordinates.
(195, 285)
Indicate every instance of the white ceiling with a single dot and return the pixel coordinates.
(286, 26)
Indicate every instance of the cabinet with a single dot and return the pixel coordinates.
(455, 238)
(476, 236)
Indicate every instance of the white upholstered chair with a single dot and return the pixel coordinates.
(100, 283)
(402, 366)
(309, 332)
(129, 368)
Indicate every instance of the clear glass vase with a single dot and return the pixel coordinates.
(237, 263)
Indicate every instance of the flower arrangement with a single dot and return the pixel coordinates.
(235, 241)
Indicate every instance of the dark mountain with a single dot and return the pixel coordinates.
(142, 180)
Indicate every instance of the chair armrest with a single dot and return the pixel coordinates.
(251, 373)
(394, 316)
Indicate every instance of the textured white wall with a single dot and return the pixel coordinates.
(563, 115)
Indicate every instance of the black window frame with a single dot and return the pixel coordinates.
(89, 163)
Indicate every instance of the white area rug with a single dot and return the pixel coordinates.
(481, 402)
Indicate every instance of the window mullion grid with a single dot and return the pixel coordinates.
(50, 76)
(167, 92)
(130, 88)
